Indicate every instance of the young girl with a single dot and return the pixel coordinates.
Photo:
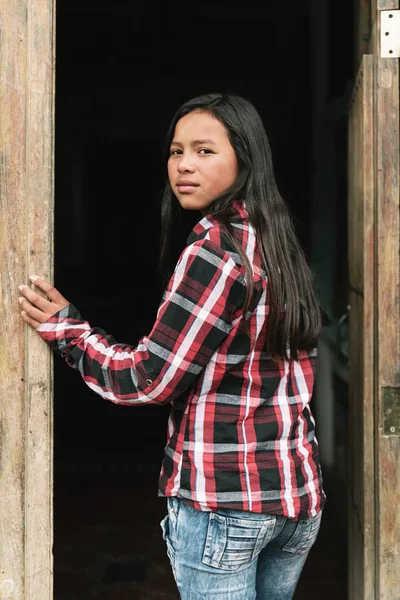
(233, 351)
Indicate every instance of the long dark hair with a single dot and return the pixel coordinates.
(295, 317)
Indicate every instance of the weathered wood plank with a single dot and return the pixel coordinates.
(386, 4)
(368, 417)
(355, 516)
(13, 59)
(388, 228)
(361, 338)
(40, 211)
(26, 152)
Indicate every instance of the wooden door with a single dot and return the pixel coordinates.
(361, 335)
(387, 314)
(26, 232)
(374, 417)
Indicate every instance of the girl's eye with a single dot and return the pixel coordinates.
(205, 151)
(175, 152)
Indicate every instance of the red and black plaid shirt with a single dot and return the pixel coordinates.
(240, 434)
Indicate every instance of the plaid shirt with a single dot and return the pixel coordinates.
(240, 434)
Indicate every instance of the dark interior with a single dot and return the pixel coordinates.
(123, 68)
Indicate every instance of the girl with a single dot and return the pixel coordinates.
(233, 351)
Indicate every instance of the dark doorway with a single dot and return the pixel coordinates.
(122, 70)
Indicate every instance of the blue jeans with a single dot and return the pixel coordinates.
(234, 555)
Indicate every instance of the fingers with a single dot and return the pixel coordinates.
(35, 308)
(35, 299)
(34, 313)
(29, 320)
(48, 289)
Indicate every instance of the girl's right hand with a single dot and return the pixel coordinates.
(36, 309)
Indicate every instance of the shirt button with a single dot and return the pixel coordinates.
(149, 381)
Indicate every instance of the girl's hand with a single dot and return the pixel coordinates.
(36, 309)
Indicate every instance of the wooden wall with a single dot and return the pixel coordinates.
(26, 217)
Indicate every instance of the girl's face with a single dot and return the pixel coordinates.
(202, 162)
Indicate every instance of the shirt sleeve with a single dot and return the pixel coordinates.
(194, 317)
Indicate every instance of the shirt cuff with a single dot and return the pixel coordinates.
(63, 329)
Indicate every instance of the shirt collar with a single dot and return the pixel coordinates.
(200, 229)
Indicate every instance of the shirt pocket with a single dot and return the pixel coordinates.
(232, 542)
(304, 535)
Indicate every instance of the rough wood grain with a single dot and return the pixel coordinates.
(367, 415)
(26, 163)
(388, 328)
(38, 396)
(361, 338)
(13, 60)
(386, 4)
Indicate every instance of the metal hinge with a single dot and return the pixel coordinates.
(390, 34)
(391, 410)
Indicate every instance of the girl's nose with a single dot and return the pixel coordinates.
(185, 165)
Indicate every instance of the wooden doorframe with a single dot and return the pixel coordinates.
(26, 247)
(387, 329)
(361, 248)
(385, 523)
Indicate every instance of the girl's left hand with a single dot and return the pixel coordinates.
(36, 309)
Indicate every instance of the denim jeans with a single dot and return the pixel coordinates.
(234, 555)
